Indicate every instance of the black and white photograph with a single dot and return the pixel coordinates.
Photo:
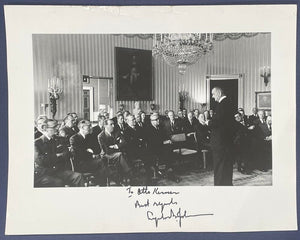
(209, 121)
(151, 119)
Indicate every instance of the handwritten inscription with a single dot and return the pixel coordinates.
(160, 210)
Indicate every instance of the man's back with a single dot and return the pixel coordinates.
(222, 124)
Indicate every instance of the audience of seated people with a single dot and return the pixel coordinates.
(128, 138)
(50, 160)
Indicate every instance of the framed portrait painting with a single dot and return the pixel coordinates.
(133, 74)
(263, 100)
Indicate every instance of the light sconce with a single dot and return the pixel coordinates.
(265, 72)
(54, 89)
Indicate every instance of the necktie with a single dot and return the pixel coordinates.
(172, 126)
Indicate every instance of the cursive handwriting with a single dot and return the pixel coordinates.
(160, 205)
(163, 204)
(177, 216)
(156, 191)
(141, 205)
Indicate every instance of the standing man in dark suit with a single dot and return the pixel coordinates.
(222, 125)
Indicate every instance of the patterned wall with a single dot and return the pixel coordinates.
(70, 56)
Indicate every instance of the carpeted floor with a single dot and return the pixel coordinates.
(206, 177)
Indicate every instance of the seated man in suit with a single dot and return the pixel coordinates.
(196, 113)
(254, 117)
(75, 116)
(38, 130)
(125, 115)
(241, 143)
(69, 126)
(264, 131)
(244, 117)
(50, 161)
(120, 127)
(261, 117)
(111, 144)
(172, 125)
(134, 139)
(207, 115)
(159, 147)
(144, 119)
(85, 160)
(93, 136)
(202, 133)
(189, 129)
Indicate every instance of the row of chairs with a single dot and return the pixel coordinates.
(184, 153)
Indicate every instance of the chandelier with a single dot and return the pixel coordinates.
(182, 49)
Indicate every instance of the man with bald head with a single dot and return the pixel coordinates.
(222, 132)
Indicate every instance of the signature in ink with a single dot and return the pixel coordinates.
(175, 215)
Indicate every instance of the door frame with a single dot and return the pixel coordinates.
(91, 90)
(239, 77)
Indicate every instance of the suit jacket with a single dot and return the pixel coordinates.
(92, 139)
(45, 158)
(169, 130)
(222, 125)
(252, 118)
(258, 121)
(118, 130)
(241, 136)
(69, 131)
(79, 146)
(202, 135)
(134, 141)
(37, 133)
(188, 127)
(155, 138)
(105, 140)
(246, 121)
(263, 131)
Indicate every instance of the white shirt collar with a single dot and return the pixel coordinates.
(82, 135)
(47, 137)
(109, 134)
(221, 98)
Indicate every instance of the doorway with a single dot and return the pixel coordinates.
(88, 103)
(97, 96)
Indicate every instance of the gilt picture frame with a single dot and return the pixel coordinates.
(263, 100)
